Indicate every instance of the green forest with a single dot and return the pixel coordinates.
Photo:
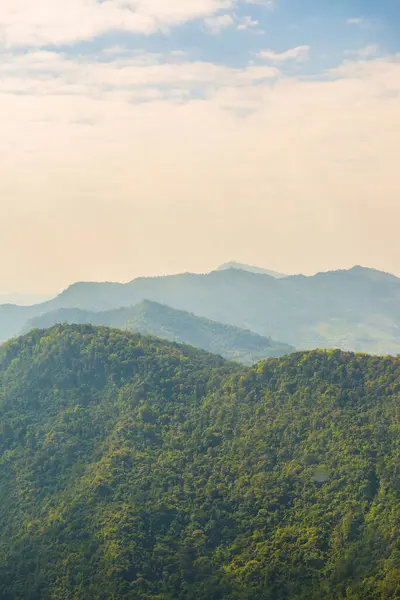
(136, 468)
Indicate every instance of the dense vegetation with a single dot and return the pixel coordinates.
(151, 318)
(355, 310)
(135, 468)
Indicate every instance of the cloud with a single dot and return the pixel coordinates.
(248, 23)
(43, 73)
(119, 156)
(383, 72)
(301, 53)
(370, 51)
(359, 22)
(355, 21)
(54, 22)
(270, 4)
(216, 24)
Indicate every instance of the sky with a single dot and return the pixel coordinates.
(147, 137)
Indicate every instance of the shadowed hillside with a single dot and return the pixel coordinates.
(174, 325)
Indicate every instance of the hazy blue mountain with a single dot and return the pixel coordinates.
(174, 325)
(250, 269)
(357, 309)
(13, 318)
(24, 299)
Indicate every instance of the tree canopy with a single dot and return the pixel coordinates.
(136, 468)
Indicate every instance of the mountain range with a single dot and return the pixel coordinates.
(174, 325)
(356, 309)
(135, 468)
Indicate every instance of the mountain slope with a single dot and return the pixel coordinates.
(357, 309)
(135, 468)
(174, 325)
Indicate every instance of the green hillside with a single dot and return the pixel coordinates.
(141, 469)
(357, 310)
(174, 325)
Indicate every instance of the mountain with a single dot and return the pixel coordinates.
(13, 318)
(174, 325)
(250, 269)
(358, 309)
(24, 299)
(141, 469)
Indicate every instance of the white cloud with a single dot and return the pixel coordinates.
(301, 53)
(370, 51)
(248, 23)
(355, 21)
(270, 4)
(217, 24)
(49, 73)
(42, 22)
(360, 22)
(384, 74)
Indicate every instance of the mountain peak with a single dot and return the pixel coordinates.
(251, 269)
(376, 273)
(362, 272)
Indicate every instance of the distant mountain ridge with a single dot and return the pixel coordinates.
(250, 269)
(174, 325)
(356, 309)
(24, 299)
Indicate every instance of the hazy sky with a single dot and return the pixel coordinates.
(155, 136)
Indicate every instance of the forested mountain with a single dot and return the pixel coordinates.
(141, 469)
(174, 325)
(357, 309)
